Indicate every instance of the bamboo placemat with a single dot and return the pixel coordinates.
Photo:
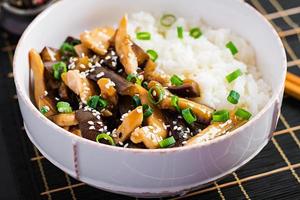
(273, 174)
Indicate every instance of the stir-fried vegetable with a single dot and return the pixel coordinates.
(106, 88)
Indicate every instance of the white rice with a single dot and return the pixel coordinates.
(205, 60)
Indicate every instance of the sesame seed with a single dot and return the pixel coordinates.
(100, 75)
(90, 122)
(92, 128)
(126, 145)
(120, 143)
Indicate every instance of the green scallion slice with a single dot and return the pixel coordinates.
(105, 137)
(233, 97)
(167, 20)
(174, 102)
(176, 80)
(145, 85)
(220, 116)
(195, 32)
(243, 114)
(167, 142)
(143, 36)
(230, 45)
(103, 103)
(233, 75)
(148, 111)
(63, 107)
(58, 69)
(67, 48)
(188, 115)
(44, 109)
(136, 101)
(94, 101)
(152, 54)
(180, 32)
(156, 94)
(134, 79)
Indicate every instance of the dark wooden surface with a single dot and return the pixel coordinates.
(273, 174)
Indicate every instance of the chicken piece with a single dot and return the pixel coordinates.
(151, 75)
(82, 51)
(49, 54)
(124, 49)
(202, 112)
(156, 120)
(79, 85)
(147, 135)
(217, 129)
(108, 91)
(98, 39)
(65, 119)
(40, 92)
(131, 121)
(82, 63)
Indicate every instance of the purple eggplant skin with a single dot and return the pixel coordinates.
(186, 90)
(121, 83)
(89, 124)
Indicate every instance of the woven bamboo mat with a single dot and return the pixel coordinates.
(273, 174)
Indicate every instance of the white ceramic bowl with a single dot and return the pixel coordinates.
(142, 172)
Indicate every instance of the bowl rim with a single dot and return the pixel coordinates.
(26, 99)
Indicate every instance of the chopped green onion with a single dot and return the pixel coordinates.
(147, 110)
(195, 33)
(167, 142)
(230, 45)
(234, 75)
(152, 54)
(63, 107)
(176, 80)
(58, 69)
(44, 109)
(180, 32)
(143, 36)
(156, 94)
(167, 20)
(75, 42)
(174, 102)
(136, 101)
(233, 97)
(103, 103)
(220, 116)
(93, 101)
(105, 137)
(67, 48)
(244, 114)
(145, 85)
(188, 115)
(134, 79)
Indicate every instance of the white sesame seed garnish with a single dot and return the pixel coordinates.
(126, 145)
(92, 128)
(184, 142)
(90, 122)
(120, 143)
